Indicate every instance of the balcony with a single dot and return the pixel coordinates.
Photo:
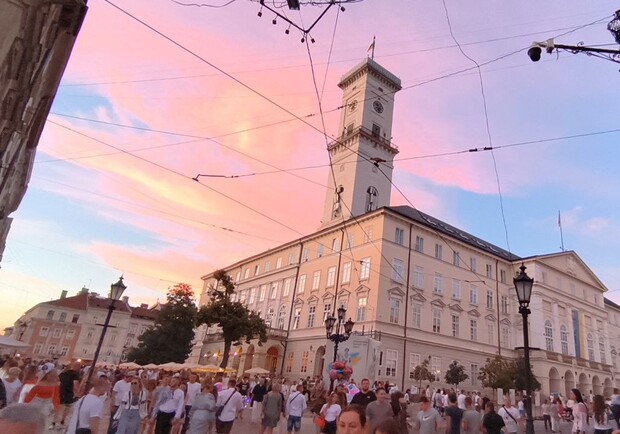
(272, 333)
(371, 135)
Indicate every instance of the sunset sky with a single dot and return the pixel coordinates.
(141, 111)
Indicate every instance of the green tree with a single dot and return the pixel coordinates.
(521, 372)
(455, 374)
(423, 373)
(236, 321)
(170, 338)
(498, 373)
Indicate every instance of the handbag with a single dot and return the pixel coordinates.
(219, 410)
(320, 422)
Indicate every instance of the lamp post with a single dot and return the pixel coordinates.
(116, 291)
(523, 285)
(337, 331)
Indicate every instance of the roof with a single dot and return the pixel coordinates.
(77, 302)
(104, 303)
(84, 300)
(372, 66)
(608, 302)
(454, 232)
(140, 312)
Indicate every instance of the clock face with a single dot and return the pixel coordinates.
(353, 105)
(377, 106)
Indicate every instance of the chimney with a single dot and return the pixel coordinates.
(84, 290)
(63, 295)
(144, 306)
(125, 299)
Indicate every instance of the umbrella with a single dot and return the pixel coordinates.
(10, 342)
(257, 371)
(211, 368)
(150, 366)
(129, 365)
(173, 366)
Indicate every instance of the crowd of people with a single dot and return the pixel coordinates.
(36, 396)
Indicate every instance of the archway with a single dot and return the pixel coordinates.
(583, 384)
(271, 360)
(608, 389)
(569, 382)
(555, 383)
(319, 361)
(597, 387)
(249, 358)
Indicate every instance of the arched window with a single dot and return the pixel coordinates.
(564, 339)
(371, 198)
(269, 317)
(590, 347)
(549, 335)
(281, 317)
(601, 348)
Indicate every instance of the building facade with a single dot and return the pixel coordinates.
(37, 39)
(424, 288)
(69, 328)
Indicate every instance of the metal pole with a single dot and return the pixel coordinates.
(106, 324)
(336, 338)
(529, 424)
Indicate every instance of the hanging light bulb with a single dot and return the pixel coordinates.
(260, 13)
(274, 22)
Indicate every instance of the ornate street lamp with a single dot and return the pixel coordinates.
(116, 292)
(523, 285)
(614, 26)
(338, 330)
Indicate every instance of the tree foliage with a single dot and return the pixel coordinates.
(455, 374)
(423, 373)
(236, 321)
(501, 373)
(170, 338)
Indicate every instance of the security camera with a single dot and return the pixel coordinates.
(534, 52)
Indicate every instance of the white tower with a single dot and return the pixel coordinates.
(364, 149)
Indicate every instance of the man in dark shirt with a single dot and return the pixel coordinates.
(365, 396)
(69, 384)
(492, 423)
(453, 414)
(244, 387)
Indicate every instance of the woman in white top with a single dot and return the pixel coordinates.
(12, 385)
(580, 412)
(330, 412)
(601, 419)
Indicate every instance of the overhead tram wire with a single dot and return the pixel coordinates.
(487, 123)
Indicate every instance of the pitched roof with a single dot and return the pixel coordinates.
(104, 303)
(140, 312)
(451, 231)
(78, 302)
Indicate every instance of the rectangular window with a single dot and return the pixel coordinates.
(367, 234)
(473, 330)
(414, 361)
(491, 333)
(416, 311)
(44, 331)
(327, 310)
(436, 365)
(502, 276)
(349, 241)
(391, 359)
(564, 340)
(256, 269)
(252, 296)
(438, 251)
(274, 291)
(70, 334)
(365, 269)
(75, 318)
(331, 277)
(311, 314)
(394, 310)
(246, 274)
(418, 277)
(335, 245)
(472, 264)
(419, 244)
(238, 276)
(456, 258)
(438, 284)
(319, 250)
(37, 348)
(316, 280)
(397, 270)
(506, 337)
(399, 236)
(346, 272)
(57, 333)
(474, 371)
(305, 254)
(473, 295)
(361, 309)
(456, 289)
(456, 325)
(279, 263)
(51, 350)
(304, 361)
(267, 266)
(287, 287)
(291, 258)
(50, 315)
(296, 318)
(63, 317)
(490, 300)
(301, 284)
(289, 362)
(436, 320)
(504, 304)
(489, 271)
(261, 294)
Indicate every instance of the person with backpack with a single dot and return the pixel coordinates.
(510, 415)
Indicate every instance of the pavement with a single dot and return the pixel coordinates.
(247, 426)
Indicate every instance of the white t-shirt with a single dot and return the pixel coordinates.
(193, 389)
(121, 388)
(460, 401)
(331, 413)
(510, 422)
(90, 406)
(11, 390)
(232, 406)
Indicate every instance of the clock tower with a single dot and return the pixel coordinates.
(363, 155)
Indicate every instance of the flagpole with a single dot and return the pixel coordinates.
(561, 234)
(372, 55)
